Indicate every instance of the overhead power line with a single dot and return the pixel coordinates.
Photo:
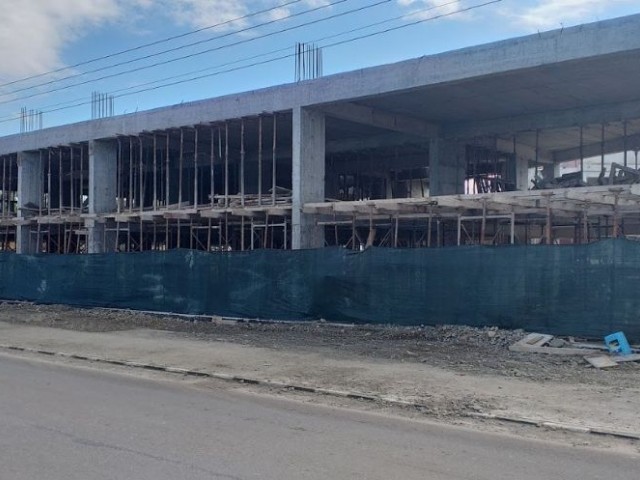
(260, 55)
(202, 52)
(152, 44)
(282, 57)
(163, 52)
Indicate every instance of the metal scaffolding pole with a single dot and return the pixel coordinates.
(429, 227)
(513, 228)
(71, 175)
(626, 147)
(242, 154)
(212, 158)
(549, 235)
(41, 192)
(273, 162)
(82, 178)
(155, 177)
(242, 233)
(582, 150)
(141, 180)
(59, 185)
(180, 165)
(10, 197)
(195, 169)
(483, 225)
(167, 187)
(130, 195)
(4, 185)
(49, 187)
(226, 164)
(602, 149)
(585, 225)
(119, 176)
(260, 161)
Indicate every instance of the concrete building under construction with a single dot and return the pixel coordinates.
(528, 140)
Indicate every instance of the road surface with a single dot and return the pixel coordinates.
(59, 422)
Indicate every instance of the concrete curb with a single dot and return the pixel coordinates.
(334, 393)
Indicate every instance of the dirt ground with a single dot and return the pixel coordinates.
(459, 348)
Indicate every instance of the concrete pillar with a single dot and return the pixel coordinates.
(308, 165)
(447, 162)
(522, 173)
(103, 160)
(549, 171)
(30, 190)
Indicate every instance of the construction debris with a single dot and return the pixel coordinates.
(601, 361)
(606, 361)
(596, 354)
(540, 343)
(617, 344)
(543, 343)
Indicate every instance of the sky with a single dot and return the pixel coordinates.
(54, 54)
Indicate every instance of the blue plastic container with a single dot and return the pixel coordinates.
(617, 343)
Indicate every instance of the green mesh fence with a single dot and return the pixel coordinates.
(584, 290)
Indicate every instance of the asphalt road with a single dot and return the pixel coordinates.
(59, 422)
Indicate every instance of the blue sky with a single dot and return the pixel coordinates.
(39, 36)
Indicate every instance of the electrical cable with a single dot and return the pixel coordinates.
(171, 50)
(184, 57)
(151, 44)
(342, 42)
(272, 52)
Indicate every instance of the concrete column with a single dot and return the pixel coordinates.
(30, 190)
(307, 176)
(522, 173)
(549, 172)
(447, 163)
(103, 160)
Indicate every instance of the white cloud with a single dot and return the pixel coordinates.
(544, 14)
(422, 9)
(279, 13)
(442, 6)
(34, 32)
(202, 13)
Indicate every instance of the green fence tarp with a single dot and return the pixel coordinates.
(583, 290)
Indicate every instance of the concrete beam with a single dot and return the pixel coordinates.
(592, 115)
(392, 139)
(372, 165)
(613, 145)
(382, 119)
(525, 151)
(376, 142)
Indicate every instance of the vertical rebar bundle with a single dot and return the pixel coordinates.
(308, 61)
(102, 105)
(30, 120)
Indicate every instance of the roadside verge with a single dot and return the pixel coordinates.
(435, 391)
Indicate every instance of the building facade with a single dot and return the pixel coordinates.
(461, 147)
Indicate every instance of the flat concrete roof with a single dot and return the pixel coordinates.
(588, 72)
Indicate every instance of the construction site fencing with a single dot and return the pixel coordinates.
(582, 290)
